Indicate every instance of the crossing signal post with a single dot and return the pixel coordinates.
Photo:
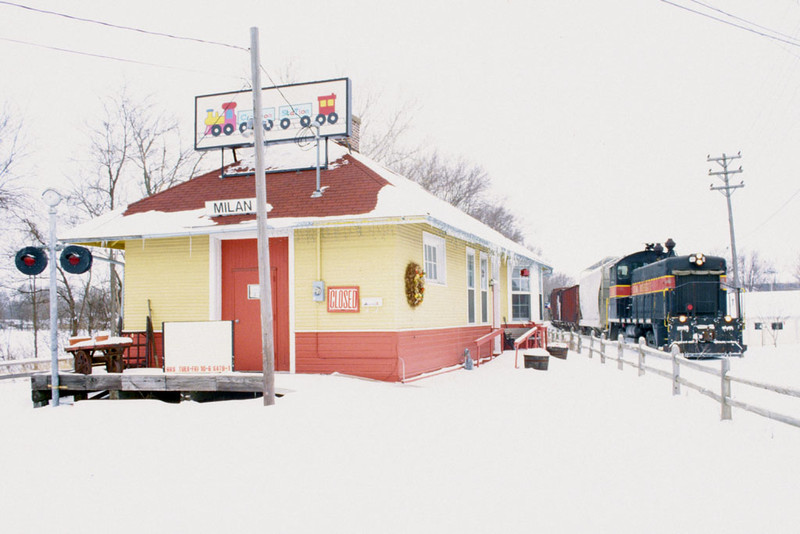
(32, 261)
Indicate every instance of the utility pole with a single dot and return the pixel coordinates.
(728, 190)
(264, 278)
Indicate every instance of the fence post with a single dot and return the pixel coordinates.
(641, 356)
(603, 348)
(620, 348)
(580, 344)
(591, 343)
(676, 370)
(726, 389)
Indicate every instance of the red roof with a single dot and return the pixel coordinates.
(352, 188)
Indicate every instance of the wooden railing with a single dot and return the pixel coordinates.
(486, 340)
(616, 351)
(535, 338)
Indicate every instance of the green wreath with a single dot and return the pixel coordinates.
(415, 284)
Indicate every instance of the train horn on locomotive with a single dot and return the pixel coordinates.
(669, 300)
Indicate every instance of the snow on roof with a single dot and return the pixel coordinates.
(399, 200)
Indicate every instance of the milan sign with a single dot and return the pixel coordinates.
(344, 299)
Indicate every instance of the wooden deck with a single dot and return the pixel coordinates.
(146, 384)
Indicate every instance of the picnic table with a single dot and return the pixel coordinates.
(91, 352)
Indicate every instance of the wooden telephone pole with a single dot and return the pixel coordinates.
(264, 286)
(727, 190)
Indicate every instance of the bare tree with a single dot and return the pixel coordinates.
(556, 280)
(383, 133)
(157, 149)
(10, 154)
(458, 182)
(132, 148)
(753, 270)
(466, 186)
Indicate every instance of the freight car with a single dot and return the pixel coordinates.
(654, 294)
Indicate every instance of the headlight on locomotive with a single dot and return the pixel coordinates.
(697, 259)
(682, 318)
(728, 319)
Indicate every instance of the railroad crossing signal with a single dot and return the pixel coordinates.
(76, 260)
(31, 260)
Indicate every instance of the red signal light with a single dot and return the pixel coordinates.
(690, 307)
(74, 259)
(28, 260)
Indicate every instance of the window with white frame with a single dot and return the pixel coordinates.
(434, 254)
(470, 286)
(484, 288)
(521, 294)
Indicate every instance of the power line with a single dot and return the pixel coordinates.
(121, 27)
(103, 56)
(774, 213)
(735, 17)
(729, 23)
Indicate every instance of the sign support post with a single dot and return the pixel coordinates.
(265, 289)
(52, 199)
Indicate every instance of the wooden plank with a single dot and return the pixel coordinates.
(99, 382)
(699, 389)
(240, 383)
(777, 389)
(143, 383)
(193, 382)
(764, 413)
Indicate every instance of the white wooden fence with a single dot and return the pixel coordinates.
(642, 356)
(28, 366)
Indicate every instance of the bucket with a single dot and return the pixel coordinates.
(558, 350)
(537, 359)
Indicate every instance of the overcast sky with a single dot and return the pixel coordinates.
(594, 119)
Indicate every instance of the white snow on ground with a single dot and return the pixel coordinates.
(582, 447)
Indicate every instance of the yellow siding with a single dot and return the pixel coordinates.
(375, 258)
(173, 274)
(444, 305)
(352, 256)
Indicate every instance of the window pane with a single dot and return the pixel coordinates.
(521, 307)
(484, 307)
(519, 282)
(471, 305)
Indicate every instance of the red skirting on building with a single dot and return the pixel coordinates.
(389, 356)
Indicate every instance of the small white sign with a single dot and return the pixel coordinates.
(235, 206)
(372, 302)
(253, 291)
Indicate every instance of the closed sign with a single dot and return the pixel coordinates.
(343, 299)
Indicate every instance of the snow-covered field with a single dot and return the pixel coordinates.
(582, 447)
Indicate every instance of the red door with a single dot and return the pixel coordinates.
(241, 304)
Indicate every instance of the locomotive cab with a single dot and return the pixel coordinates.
(681, 302)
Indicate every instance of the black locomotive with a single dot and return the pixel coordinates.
(669, 300)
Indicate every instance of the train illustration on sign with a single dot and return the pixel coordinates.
(230, 120)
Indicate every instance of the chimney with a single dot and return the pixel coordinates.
(353, 142)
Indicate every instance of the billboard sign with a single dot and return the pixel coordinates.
(226, 119)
